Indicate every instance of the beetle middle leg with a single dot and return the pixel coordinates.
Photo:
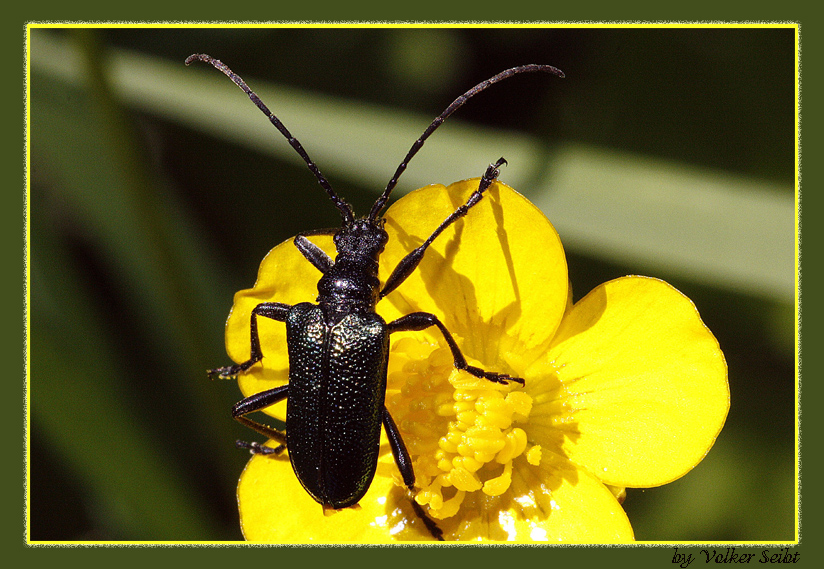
(417, 321)
(273, 310)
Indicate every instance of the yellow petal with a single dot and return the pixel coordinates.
(583, 509)
(643, 383)
(274, 508)
(497, 277)
(553, 503)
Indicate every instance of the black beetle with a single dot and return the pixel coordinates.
(339, 348)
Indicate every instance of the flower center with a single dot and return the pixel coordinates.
(461, 431)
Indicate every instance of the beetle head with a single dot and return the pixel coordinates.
(361, 236)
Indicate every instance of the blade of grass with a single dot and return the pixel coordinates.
(746, 243)
(80, 413)
(170, 286)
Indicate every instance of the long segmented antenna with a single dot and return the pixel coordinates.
(456, 104)
(345, 209)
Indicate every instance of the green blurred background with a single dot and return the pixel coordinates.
(156, 189)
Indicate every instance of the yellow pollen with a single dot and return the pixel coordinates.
(499, 485)
(463, 432)
(533, 457)
(514, 445)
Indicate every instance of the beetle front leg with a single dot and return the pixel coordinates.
(273, 310)
(258, 402)
(313, 253)
(417, 321)
(408, 264)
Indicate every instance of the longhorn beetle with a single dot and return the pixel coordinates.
(339, 348)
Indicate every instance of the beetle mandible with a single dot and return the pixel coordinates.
(339, 348)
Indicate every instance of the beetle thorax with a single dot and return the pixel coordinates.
(352, 284)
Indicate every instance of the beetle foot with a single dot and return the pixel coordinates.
(257, 448)
(501, 378)
(228, 372)
(428, 522)
(231, 372)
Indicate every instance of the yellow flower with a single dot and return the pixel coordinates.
(627, 388)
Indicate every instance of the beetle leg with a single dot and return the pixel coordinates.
(408, 264)
(421, 320)
(257, 402)
(404, 462)
(273, 310)
(428, 522)
(256, 448)
(399, 451)
(313, 253)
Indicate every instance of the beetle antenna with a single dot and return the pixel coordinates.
(345, 209)
(456, 104)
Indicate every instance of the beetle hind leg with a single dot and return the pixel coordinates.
(258, 402)
(404, 462)
(429, 523)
